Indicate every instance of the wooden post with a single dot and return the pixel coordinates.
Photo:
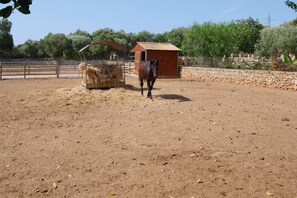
(0, 70)
(58, 65)
(25, 65)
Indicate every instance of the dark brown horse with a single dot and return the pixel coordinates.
(148, 71)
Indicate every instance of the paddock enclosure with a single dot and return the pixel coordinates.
(38, 68)
(12, 69)
(194, 139)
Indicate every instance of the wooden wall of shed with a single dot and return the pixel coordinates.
(168, 62)
(137, 61)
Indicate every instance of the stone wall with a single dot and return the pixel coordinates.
(271, 79)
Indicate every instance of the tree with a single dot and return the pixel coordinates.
(21, 5)
(176, 36)
(81, 33)
(248, 33)
(107, 34)
(161, 37)
(292, 23)
(144, 36)
(79, 39)
(267, 43)
(281, 40)
(291, 4)
(6, 40)
(286, 42)
(29, 49)
(57, 46)
(210, 40)
(5, 25)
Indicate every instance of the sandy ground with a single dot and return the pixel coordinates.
(193, 140)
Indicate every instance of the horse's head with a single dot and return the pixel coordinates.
(155, 67)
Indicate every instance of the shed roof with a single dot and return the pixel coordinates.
(156, 46)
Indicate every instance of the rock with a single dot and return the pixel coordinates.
(55, 185)
(165, 163)
(200, 181)
(44, 191)
(285, 119)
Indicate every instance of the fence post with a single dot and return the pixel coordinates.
(58, 65)
(25, 65)
(0, 70)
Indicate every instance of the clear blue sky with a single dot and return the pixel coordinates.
(155, 16)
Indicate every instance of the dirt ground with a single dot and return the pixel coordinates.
(193, 140)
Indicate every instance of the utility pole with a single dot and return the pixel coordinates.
(269, 20)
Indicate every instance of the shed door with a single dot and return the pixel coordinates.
(139, 56)
(143, 56)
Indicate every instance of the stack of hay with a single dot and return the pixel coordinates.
(101, 76)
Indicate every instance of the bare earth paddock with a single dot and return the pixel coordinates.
(194, 139)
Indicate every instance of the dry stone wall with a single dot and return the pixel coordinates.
(270, 79)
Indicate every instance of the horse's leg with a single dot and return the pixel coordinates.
(149, 89)
(141, 85)
(153, 82)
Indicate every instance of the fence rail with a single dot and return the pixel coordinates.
(46, 68)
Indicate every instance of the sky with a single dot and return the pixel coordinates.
(155, 16)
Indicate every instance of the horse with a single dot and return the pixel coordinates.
(148, 71)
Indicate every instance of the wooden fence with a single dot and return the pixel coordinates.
(45, 68)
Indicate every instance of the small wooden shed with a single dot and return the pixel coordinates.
(165, 53)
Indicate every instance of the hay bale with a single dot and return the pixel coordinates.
(117, 73)
(101, 75)
(82, 66)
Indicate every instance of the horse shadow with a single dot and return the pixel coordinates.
(177, 97)
(138, 89)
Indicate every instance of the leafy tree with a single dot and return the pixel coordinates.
(29, 49)
(291, 4)
(210, 40)
(79, 39)
(78, 42)
(286, 42)
(248, 33)
(293, 22)
(144, 36)
(281, 39)
(21, 5)
(176, 36)
(267, 43)
(41, 49)
(5, 25)
(107, 34)
(131, 40)
(80, 33)
(57, 46)
(161, 37)
(6, 40)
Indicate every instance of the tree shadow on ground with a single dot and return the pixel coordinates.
(177, 97)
